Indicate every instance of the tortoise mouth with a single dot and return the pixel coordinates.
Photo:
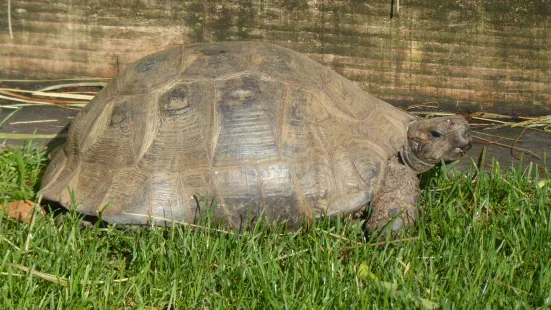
(457, 153)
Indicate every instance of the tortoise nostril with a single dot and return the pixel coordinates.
(467, 147)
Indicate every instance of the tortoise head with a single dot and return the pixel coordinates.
(430, 140)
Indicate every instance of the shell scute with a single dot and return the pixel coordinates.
(247, 113)
(279, 194)
(181, 139)
(216, 60)
(240, 189)
(149, 73)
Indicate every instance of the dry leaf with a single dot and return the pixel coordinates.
(21, 210)
(542, 183)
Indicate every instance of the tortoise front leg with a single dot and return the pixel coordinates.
(394, 205)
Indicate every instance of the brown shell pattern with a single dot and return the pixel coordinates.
(259, 127)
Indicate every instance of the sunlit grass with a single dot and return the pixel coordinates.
(481, 241)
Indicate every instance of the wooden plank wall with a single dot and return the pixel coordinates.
(491, 55)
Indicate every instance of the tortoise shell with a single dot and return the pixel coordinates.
(261, 128)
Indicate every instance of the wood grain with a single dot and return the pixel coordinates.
(467, 54)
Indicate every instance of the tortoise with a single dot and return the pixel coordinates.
(266, 131)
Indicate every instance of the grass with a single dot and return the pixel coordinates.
(478, 244)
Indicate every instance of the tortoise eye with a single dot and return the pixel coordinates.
(435, 134)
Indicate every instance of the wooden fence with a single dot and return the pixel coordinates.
(490, 55)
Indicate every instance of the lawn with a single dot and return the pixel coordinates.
(483, 240)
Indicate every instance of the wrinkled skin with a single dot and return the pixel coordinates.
(429, 141)
(446, 138)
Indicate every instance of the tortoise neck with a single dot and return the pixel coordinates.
(411, 160)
